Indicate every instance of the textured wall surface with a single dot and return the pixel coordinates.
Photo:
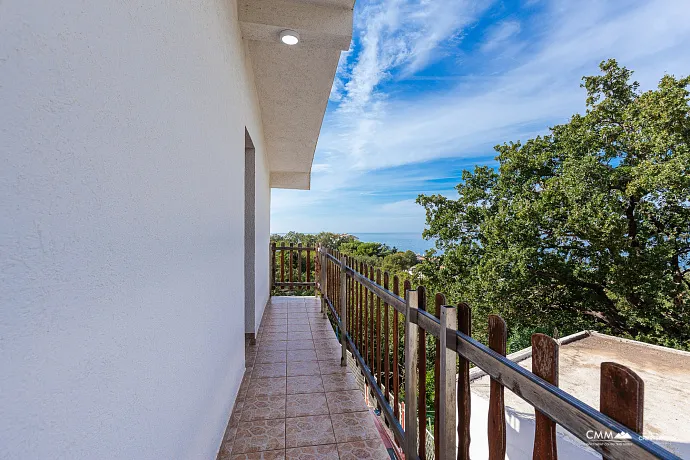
(121, 236)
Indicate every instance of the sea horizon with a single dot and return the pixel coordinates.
(402, 241)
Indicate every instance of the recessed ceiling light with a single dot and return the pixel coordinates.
(289, 37)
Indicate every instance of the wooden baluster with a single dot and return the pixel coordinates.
(290, 257)
(308, 265)
(445, 442)
(396, 352)
(497, 415)
(365, 330)
(421, 353)
(324, 282)
(439, 301)
(360, 311)
(386, 343)
(273, 266)
(463, 396)
(411, 381)
(545, 365)
(621, 397)
(343, 314)
(299, 263)
(353, 301)
(378, 332)
(282, 266)
(371, 325)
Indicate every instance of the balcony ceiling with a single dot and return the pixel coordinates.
(293, 82)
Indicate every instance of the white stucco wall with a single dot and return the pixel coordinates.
(263, 237)
(121, 226)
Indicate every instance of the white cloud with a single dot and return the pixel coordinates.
(501, 34)
(538, 87)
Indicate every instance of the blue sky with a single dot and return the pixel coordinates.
(428, 87)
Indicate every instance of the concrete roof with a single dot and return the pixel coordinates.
(665, 372)
(293, 82)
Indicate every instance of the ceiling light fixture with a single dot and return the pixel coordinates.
(289, 37)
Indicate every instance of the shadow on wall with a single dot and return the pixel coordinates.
(520, 437)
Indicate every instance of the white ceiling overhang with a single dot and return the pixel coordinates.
(293, 82)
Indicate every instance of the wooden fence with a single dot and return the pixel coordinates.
(292, 273)
(373, 320)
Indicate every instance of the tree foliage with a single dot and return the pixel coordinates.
(587, 227)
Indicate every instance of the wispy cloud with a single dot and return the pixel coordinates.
(417, 88)
(501, 34)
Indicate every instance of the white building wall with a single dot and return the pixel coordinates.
(263, 237)
(121, 226)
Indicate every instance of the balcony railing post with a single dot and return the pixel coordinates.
(343, 312)
(411, 378)
(323, 270)
(446, 387)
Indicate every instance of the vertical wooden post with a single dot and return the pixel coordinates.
(372, 321)
(290, 261)
(621, 396)
(497, 414)
(545, 365)
(386, 341)
(396, 345)
(411, 361)
(421, 405)
(465, 327)
(299, 263)
(365, 313)
(353, 301)
(308, 265)
(343, 313)
(273, 266)
(360, 309)
(447, 430)
(440, 301)
(282, 266)
(324, 287)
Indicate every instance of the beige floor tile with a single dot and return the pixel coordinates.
(304, 384)
(299, 336)
(267, 387)
(302, 355)
(308, 431)
(337, 382)
(272, 345)
(300, 345)
(373, 449)
(327, 354)
(262, 371)
(332, 367)
(263, 407)
(323, 452)
(300, 405)
(271, 356)
(259, 435)
(345, 401)
(303, 368)
(354, 426)
(265, 455)
(272, 336)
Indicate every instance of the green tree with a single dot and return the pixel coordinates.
(399, 261)
(588, 226)
(366, 249)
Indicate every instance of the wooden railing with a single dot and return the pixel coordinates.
(287, 268)
(371, 316)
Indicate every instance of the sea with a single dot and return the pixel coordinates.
(403, 241)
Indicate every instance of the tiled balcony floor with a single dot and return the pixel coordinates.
(296, 401)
